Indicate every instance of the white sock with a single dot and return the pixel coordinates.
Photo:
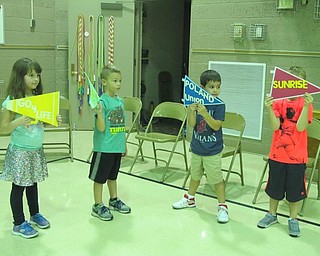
(190, 196)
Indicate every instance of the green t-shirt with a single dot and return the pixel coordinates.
(113, 139)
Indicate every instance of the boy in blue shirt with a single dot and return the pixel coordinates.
(206, 146)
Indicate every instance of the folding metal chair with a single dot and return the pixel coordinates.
(134, 106)
(313, 159)
(261, 180)
(65, 126)
(2, 149)
(175, 112)
(235, 123)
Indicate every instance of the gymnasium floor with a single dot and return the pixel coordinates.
(153, 227)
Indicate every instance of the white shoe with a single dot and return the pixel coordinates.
(223, 216)
(184, 203)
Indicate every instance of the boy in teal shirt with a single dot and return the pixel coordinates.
(109, 144)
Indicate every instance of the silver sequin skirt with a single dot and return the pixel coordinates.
(24, 167)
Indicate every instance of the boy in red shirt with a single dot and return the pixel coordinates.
(288, 156)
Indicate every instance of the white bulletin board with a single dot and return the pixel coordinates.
(242, 90)
(1, 25)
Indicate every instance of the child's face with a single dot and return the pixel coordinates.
(112, 84)
(213, 88)
(31, 79)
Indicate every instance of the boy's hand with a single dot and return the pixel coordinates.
(307, 99)
(202, 110)
(98, 109)
(126, 152)
(268, 101)
(193, 106)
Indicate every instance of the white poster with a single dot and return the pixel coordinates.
(242, 90)
(1, 25)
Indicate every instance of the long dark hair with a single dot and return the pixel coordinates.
(17, 87)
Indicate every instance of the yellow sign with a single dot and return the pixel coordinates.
(294, 84)
(43, 107)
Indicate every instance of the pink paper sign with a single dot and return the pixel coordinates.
(287, 85)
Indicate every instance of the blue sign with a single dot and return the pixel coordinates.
(193, 93)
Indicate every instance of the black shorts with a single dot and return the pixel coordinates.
(286, 180)
(104, 166)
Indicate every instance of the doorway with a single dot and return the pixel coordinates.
(165, 53)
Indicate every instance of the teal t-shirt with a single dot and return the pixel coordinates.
(26, 137)
(113, 139)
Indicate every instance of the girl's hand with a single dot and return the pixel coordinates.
(268, 101)
(59, 119)
(23, 121)
(307, 99)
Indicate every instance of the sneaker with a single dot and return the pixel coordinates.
(294, 229)
(102, 212)
(267, 221)
(223, 216)
(40, 221)
(185, 202)
(118, 205)
(25, 230)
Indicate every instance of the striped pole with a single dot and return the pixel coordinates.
(91, 48)
(80, 60)
(111, 40)
(100, 50)
(91, 55)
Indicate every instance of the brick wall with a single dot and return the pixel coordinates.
(40, 42)
(287, 32)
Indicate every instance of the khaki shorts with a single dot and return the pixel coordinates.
(210, 165)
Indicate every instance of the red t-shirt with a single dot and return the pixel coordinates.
(288, 144)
